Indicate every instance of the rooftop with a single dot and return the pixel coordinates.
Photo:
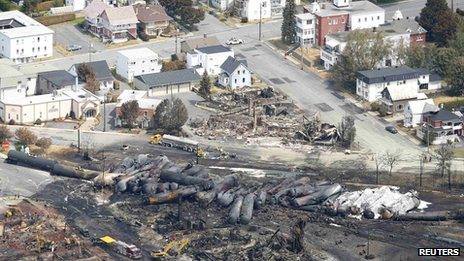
(399, 93)
(59, 78)
(169, 78)
(443, 115)
(138, 53)
(200, 42)
(422, 106)
(15, 24)
(388, 74)
(128, 95)
(95, 8)
(121, 15)
(151, 13)
(214, 49)
(101, 70)
(356, 7)
(231, 63)
(144, 103)
(36, 99)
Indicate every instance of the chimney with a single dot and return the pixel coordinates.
(76, 83)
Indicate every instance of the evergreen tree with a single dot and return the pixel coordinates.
(289, 23)
(439, 21)
(205, 85)
(170, 115)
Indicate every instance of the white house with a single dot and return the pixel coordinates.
(235, 74)
(253, 10)
(102, 74)
(305, 29)
(371, 83)
(222, 5)
(23, 39)
(415, 110)
(77, 5)
(209, 58)
(134, 62)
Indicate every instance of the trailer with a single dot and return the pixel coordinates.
(130, 251)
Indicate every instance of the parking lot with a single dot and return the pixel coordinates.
(70, 34)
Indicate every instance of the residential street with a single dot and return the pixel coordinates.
(305, 88)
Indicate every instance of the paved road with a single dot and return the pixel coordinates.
(412, 8)
(22, 181)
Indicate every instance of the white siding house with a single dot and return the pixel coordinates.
(415, 110)
(77, 5)
(23, 39)
(135, 62)
(209, 58)
(235, 74)
(305, 29)
(222, 5)
(253, 10)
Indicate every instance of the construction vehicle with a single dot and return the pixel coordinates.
(122, 248)
(173, 248)
(178, 142)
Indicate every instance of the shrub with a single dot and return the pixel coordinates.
(143, 36)
(44, 6)
(38, 122)
(44, 143)
(25, 136)
(12, 122)
(72, 115)
(116, 85)
(5, 133)
(244, 20)
(375, 106)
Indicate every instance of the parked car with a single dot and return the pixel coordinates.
(234, 41)
(73, 47)
(391, 129)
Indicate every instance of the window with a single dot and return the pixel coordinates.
(38, 49)
(399, 107)
(243, 71)
(38, 39)
(359, 20)
(235, 81)
(17, 117)
(243, 80)
(9, 116)
(17, 41)
(365, 19)
(378, 17)
(45, 48)
(33, 49)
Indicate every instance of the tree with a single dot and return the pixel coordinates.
(190, 16)
(170, 115)
(439, 21)
(378, 165)
(129, 112)
(5, 5)
(173, 65)
(86, 73)
(456, 77)
(205, 85)
(364, 50)
(391, 159)
(444, 155)
(347, 131)
(29, 6)
(5, 133)
(44, 143)
(421, 56)
(288, 29)
(25, 136)
(444, 61)
(458, 42)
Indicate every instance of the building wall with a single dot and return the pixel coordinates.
(417, 38)
(240, 78)
(368, 20)
(306, 30)
(327, 25)
(372, 92)
(77, 5)
(129, 67)
(30, 113)
(164, 90)
(251, 10)
(26, 49)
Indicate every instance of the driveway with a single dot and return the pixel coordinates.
(68, 33)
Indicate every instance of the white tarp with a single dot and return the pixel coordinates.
(375, 199)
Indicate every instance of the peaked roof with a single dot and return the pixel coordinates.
(151, 13)
(388, 74)
(59, 78)
(200, 42)
(120, 15)
(101, 70)
(95, 8)
(443, 115)
(214, 49)
(422, 106)
(398, 93)
(231, 63)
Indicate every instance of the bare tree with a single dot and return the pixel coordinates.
(86, 73)
(444, 155)
(378, 165)
(391, 159)
(25, 136)
(347, 131)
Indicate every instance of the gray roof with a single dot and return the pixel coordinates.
(388, 74)
(355, 7)
(443, 115)
(214, 49)
(231, 63)
(59, 78)
(434, 77)
(169, 78)
(101, 70)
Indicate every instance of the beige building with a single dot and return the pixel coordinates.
(46, 107)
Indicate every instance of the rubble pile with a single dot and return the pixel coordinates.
(250, 113)
(161, 181)
(30, 229)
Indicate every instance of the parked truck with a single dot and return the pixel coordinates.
(178, 142)
(131, 251)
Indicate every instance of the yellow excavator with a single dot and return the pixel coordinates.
(173, 248)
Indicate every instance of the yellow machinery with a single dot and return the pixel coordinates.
(173, 248)
(155, 139)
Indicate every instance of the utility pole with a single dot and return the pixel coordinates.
(104, 113)
(260, 19)
(301, 54)
(421, 170)
(452, 6)
(177, 33)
